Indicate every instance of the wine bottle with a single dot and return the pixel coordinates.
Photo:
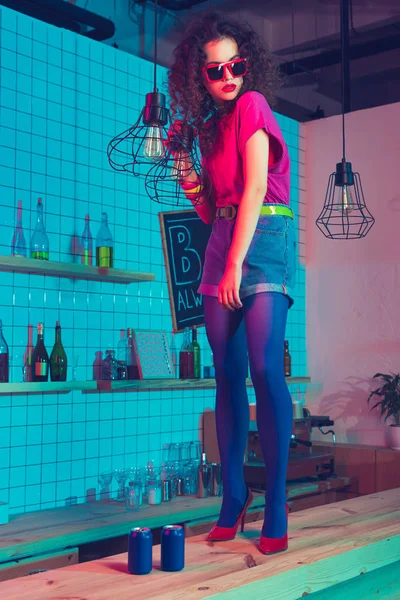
(196, 355)
(18, 244)
(122, 351)
(58, 358)
(186, 357)
(4, 357)
(40, 358)
(39, 239)
(104, 245)
(203, 477)
(131, 362)
(173, 352)
(287, 360)
(87, 244)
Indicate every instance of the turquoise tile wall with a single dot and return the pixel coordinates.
(62, 98)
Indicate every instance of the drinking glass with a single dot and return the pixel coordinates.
(104, 480)
(133, 496)
(120, 476)
(174, 452)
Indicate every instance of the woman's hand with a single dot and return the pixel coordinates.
(174, 129)
(228, 290)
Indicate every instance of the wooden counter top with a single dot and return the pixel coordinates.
(328, 545)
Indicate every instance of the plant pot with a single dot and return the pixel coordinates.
(394, 437)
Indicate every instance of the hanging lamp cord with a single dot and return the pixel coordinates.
(155, 44)
(343, 21)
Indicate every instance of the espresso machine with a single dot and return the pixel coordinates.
(303, 462)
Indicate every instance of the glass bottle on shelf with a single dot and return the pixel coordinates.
(39, 239)
(122, 355)
(27, 367)
(4, 357)
(58, 358)
(110, 366)
(186, 357)
(287, 360)
(18, 244)
(87, 244)
(196, 355)
(104, 244)
(40, 358)
(173, 352)
(131, 362)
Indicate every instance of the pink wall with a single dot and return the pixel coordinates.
(353, 287)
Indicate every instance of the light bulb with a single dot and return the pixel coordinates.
(181, 166)
(344, 203)
(153, 143)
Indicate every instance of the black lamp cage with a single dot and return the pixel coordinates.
(143, 144)
(345, 215)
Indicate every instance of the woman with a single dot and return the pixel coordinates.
(220, 82)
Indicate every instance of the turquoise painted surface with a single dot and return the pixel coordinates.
(62, 98)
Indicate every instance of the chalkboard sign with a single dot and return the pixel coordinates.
(184, 237)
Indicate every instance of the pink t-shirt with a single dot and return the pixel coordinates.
(225, 164)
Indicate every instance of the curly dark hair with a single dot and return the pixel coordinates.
(190, 101)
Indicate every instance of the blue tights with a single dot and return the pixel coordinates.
(257, 330)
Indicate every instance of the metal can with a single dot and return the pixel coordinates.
(180, 487)
(166, 490)
(172, 548)
(140, 551)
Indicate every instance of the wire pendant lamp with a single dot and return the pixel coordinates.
(143, 144)
(345, 215)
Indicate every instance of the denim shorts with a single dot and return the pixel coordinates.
(270, 262)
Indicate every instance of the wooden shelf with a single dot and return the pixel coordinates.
(47, 387)
(71, 271)
(142, 385)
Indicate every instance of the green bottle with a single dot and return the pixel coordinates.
(58, 358)
(196, 355)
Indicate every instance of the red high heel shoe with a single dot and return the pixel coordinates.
(223, 534)
(274, 545)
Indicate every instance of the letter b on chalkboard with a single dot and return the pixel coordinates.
(187, 261)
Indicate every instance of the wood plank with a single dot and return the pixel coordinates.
(382, 583)
(55, 529)
(174, 384)
(20, 568)
(71, 271)
(328, 545)
(387, 469)
(46, 387)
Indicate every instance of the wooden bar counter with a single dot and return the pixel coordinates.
(329, 548)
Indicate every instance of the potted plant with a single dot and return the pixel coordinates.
(389, 394)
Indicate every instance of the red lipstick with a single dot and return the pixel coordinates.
(229, 88)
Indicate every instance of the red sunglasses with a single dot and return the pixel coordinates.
(237, 68)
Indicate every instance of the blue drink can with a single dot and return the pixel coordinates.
(172, 548)
(140, 551)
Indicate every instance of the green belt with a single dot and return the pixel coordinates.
(270, 209)
(229, 212)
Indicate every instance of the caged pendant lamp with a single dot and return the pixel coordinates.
(143, 144)
(181, 163)
(345, 215)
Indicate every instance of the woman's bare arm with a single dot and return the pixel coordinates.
(255, 170)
